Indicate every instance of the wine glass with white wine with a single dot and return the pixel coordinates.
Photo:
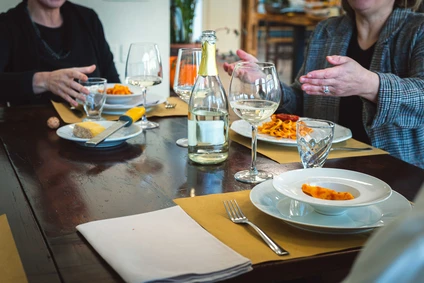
(186, 69)
(144, 69)
(254, 96)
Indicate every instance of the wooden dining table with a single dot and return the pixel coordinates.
(50, 185)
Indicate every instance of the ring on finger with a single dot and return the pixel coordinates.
(326, 90)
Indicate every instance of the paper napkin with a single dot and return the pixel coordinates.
(163, 246)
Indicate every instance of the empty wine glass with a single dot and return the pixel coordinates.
(144, 69)
(188, 63)
(254, 96)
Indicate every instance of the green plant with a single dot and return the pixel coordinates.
(182, 16)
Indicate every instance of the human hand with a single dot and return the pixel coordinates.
(346, 78)
(244, 56)
(62, 83)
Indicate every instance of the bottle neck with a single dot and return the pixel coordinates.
(208, 63)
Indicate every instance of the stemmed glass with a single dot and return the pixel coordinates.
(188, 63)
(144, 69)
(254, 96)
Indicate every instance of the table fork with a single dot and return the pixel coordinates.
(236, 215)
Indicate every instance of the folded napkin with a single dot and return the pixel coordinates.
(163, 246)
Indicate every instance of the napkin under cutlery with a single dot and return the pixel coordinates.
(166, 245)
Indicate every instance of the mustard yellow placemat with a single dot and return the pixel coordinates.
(70, 117)
(11, 269)
(209, 212)
(289, 154)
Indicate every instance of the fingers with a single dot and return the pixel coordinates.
(244, 56)
(80, 73)
(319, 89)
(338, 60)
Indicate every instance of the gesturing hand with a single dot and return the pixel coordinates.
(244, 56)
(346, 78)
(62, 83)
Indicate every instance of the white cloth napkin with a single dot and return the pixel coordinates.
(163, 246)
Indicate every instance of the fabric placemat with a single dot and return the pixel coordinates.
(209, 212)
(70, 117)
(11, 269)
(289, 154)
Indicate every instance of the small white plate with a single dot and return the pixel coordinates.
(128, 99)
(367, 190)
(303, 216)
(119, 109)
(116, 139)
(243, 128)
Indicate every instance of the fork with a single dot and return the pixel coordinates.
(236, 215)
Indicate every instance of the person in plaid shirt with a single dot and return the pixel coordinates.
(365, 70)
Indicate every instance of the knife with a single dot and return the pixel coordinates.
(125, 120)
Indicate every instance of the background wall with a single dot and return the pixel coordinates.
(126, 21)
(219, 14)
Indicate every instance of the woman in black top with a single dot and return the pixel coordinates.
(46, 46)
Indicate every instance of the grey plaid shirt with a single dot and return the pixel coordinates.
(396, 122)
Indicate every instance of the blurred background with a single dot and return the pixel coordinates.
(253, 25)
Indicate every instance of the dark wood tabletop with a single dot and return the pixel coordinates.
(50, 185)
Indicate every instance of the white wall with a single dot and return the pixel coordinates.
(219, 14)
(126, 21)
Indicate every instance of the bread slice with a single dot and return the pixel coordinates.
(87, 130)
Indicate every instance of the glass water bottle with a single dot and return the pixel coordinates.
(208, 109)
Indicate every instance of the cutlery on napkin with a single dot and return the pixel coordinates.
(165, 245)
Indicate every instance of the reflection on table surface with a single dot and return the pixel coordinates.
(50, 185)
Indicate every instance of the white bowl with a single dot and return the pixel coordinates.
(125, 99)
(367, 190)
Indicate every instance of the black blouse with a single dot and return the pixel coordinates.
(350, 114)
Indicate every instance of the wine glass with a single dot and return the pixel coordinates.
(188, 63)
(144, 69)
(254, 96)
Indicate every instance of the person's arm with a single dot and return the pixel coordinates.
(107, 65)
(394, 253)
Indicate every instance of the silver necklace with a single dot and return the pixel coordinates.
(57, 56)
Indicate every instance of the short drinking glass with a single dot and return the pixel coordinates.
(95, 100)
(314, 140)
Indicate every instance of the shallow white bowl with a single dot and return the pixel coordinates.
(366, 189)
(133, 98)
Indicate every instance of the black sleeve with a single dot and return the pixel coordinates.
(106, 64)
(16, 86)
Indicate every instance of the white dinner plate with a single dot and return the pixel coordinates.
(303, 216)
(127, 99)
(366, 189)
(115, 139)
(119, 109)
(243, 128)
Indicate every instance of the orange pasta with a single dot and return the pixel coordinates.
(119, 90)
(279, 128)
